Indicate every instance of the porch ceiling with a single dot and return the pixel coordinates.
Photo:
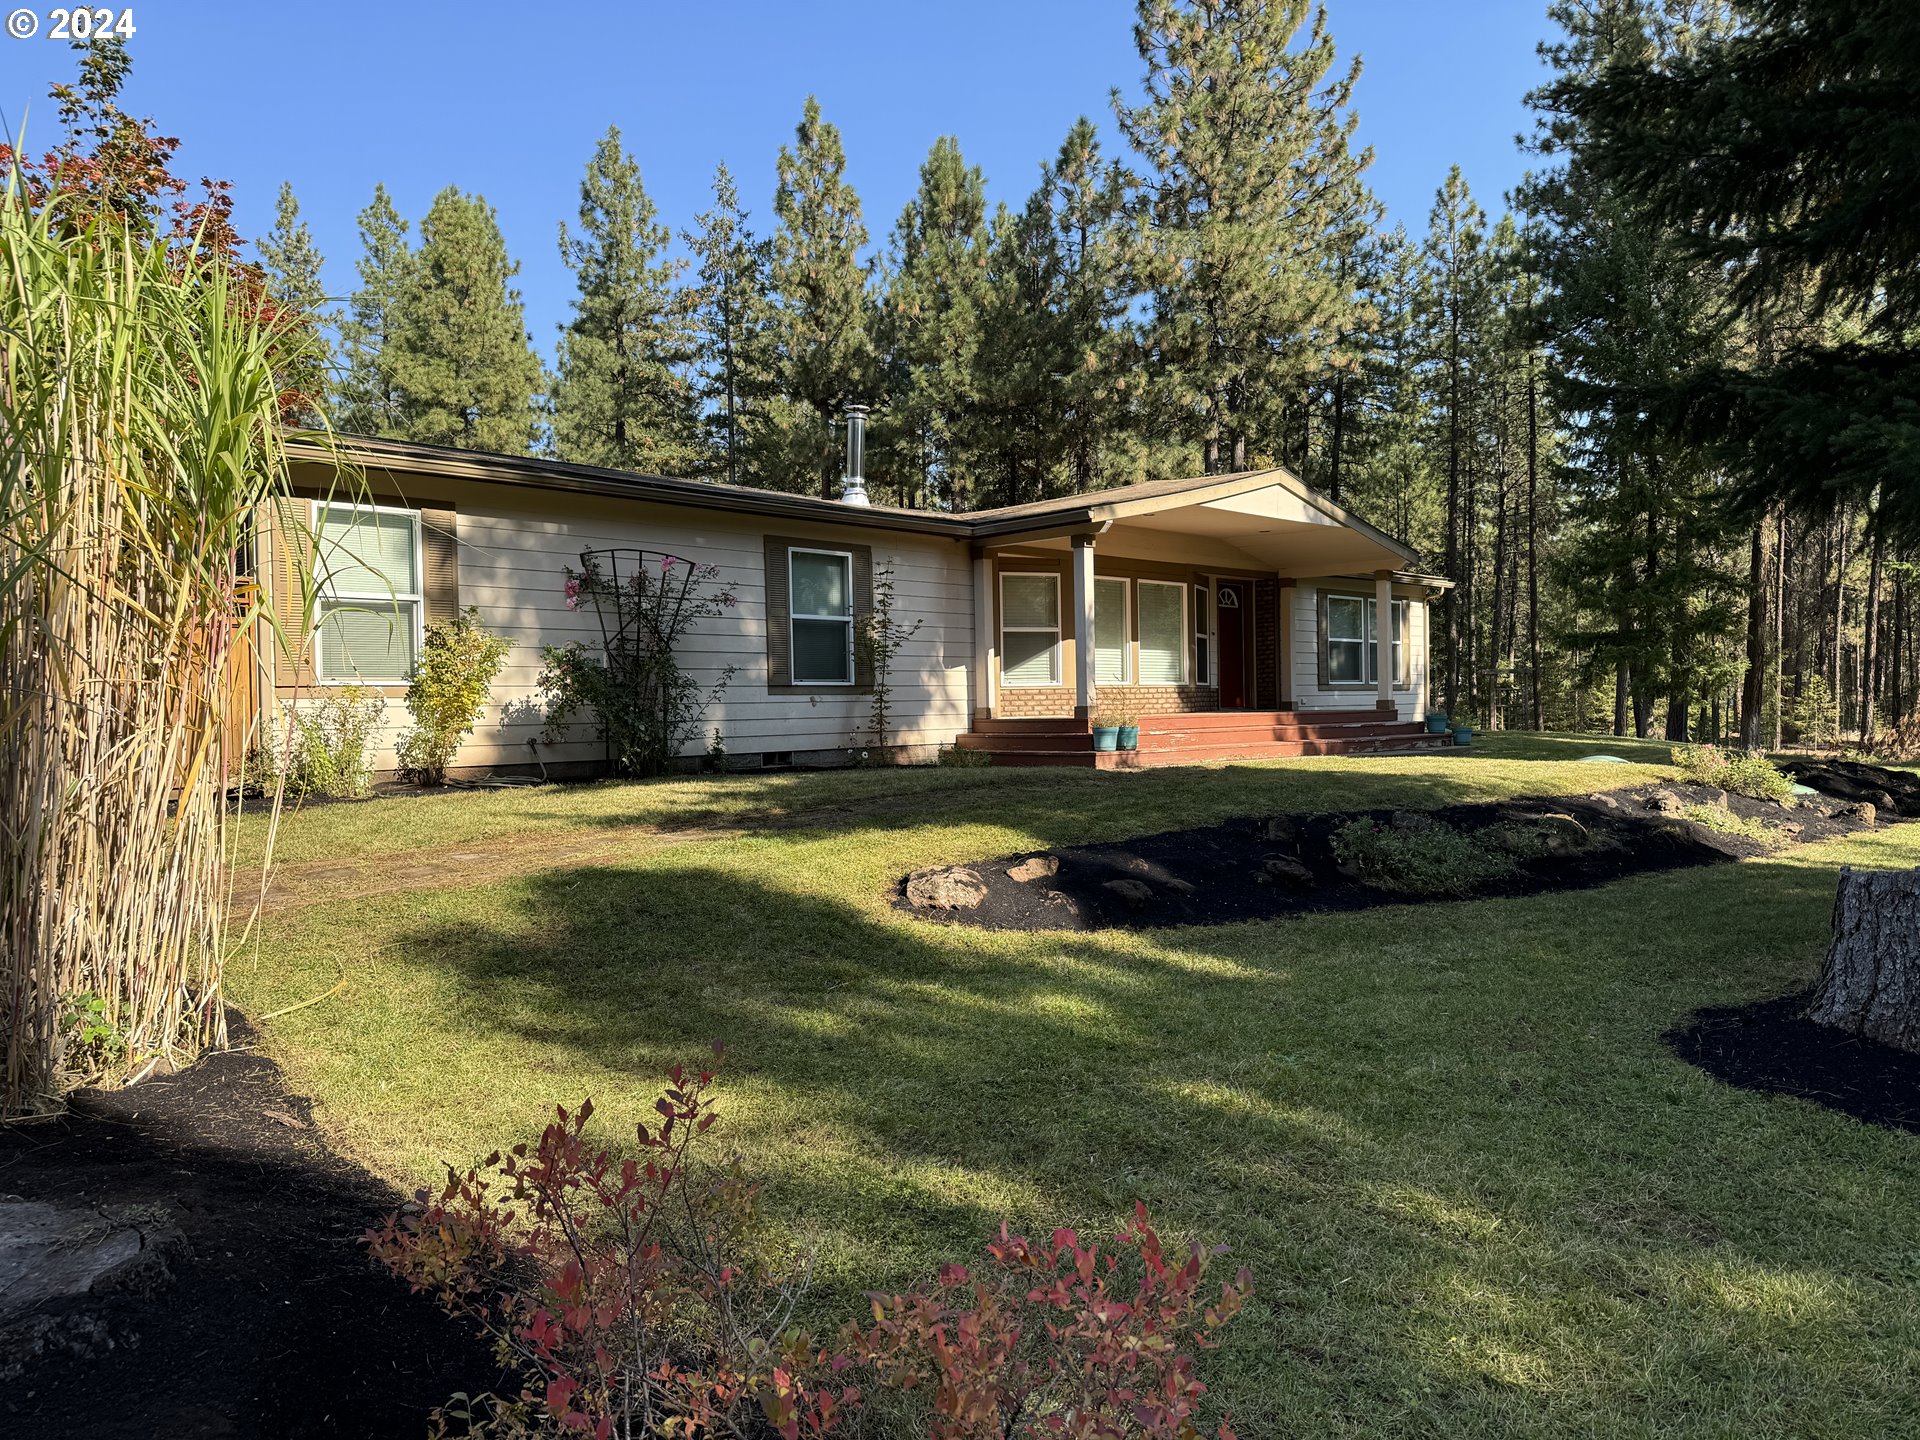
(1271, 529)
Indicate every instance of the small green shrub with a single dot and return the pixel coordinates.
(1754, 776)
(954, 758)
(449, 690)
(331, 738)
(1727, 823)
(1418, 855)
(1813, 714)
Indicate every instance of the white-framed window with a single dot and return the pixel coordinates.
(1029, 629)
(1112, 659)
(1203, 632)
(1353, 641)
(1163, 631)
(368, 603)
(820, 616)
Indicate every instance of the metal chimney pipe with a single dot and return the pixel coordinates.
(853, 486)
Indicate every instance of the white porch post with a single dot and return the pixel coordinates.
(1383, 636)
(983, 646)
(1283, 640)
(1083, 682)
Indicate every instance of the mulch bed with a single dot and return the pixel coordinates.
(1772, 1047)
(1243, 869)
(270, 1321)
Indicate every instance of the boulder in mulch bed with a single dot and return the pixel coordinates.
(955, 888)
(1034, 867)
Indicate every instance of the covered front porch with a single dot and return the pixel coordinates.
(1229, 616)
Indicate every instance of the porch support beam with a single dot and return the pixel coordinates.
(1383, 636)
(1083, 682)
(983, 646)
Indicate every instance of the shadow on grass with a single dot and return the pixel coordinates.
(1467, 1174)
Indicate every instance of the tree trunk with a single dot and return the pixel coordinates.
(1753, 681)
(1870, 639)
(1870, 985)
(1533, 542)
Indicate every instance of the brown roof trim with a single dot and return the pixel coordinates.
(1044, 517)
(443, 463)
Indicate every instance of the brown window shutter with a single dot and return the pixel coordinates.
(292, 583)
(440, 561)
(779, 632)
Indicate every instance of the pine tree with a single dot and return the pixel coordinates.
(935, 299)
(367, 401)
(1248, 198)
(1768, 149)
(826, 354)
(458, 354)
(290, 264)
(733, 328)
(622, 396)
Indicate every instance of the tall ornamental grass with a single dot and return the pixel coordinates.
(139, 447)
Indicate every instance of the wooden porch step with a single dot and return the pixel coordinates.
(1170, 736)
(1046, 725)
(1040, 740)
(1288, 749)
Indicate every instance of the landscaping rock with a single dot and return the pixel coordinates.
(1035, 867)
(1665, 802)
(1605, 801)
(1282, 830)
(1286, 870)
(1862, 810)
(1134, 892)
(1711, 795)
(954, 888)
(49, 1251)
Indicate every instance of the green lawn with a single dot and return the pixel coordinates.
(1478, 1195)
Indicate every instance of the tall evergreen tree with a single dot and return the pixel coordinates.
(290, 264)
(733, 331)
(1779, 150)
(622, 395)
(935, 298)
(367, 402)
(458, 353)
(826, 354)
(1247, 199)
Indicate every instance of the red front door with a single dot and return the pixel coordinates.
(1230, 604)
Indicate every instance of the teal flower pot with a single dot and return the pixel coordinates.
(1129, 737)
(1106, 737)
(1463, 735)
(1436, 724)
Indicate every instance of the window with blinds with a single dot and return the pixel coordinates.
(1030, 629)
(1163, 632)
(369, 602)
(1110, 665)
(820, 587)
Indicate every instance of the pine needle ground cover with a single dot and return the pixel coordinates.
(1478, 1193)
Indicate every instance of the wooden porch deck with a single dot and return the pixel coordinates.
(1202, 735)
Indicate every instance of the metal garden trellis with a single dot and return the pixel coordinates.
(645, 600)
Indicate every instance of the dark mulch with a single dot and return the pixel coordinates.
(1896, 792)
(1770, 1046)
(276, 1325)
(1220, 874)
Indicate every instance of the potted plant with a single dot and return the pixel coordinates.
(1437, 722)
(1463, 731)
(1128, 722)
(1106, 728)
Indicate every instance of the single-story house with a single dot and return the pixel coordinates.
(1236, 615)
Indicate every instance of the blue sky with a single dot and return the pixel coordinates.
(508, 99)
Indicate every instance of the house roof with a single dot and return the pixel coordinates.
(1096, 509)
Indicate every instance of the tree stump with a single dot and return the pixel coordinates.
(1870, 985)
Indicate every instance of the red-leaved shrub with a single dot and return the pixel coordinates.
(634, 1298)
(1057, 1340)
